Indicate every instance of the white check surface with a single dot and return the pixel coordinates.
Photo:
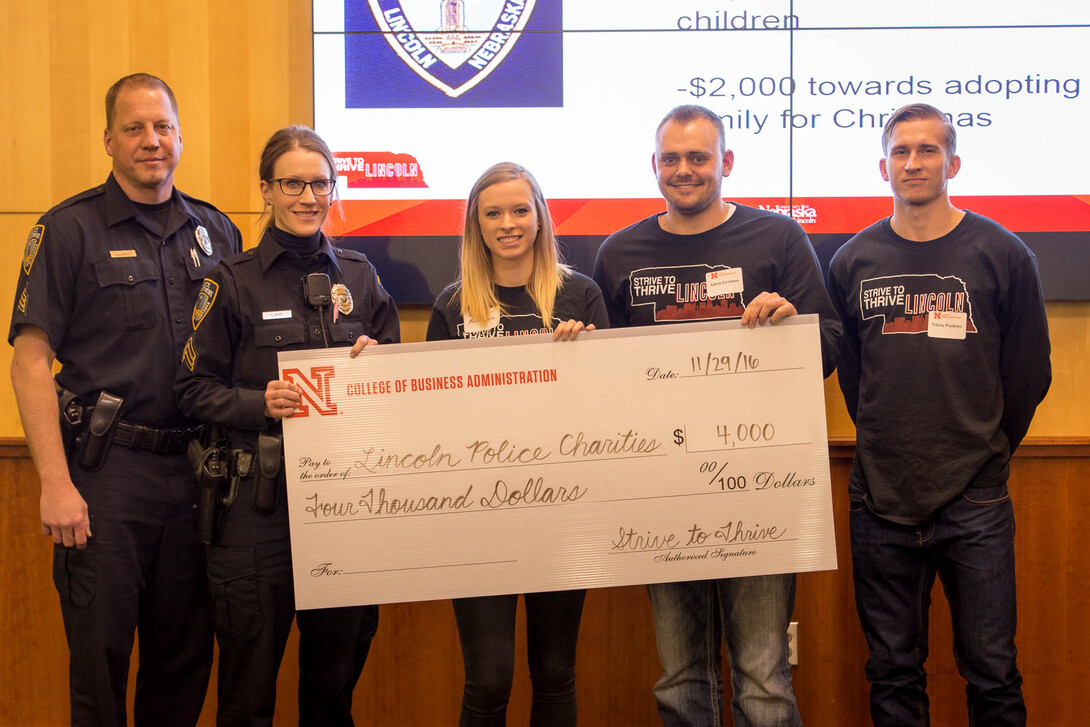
(439, 470)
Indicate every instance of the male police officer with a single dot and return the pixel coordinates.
(107, 287)
(701, 232)
(945, 358)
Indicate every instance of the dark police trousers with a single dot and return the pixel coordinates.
(142, 571)
(249, 570)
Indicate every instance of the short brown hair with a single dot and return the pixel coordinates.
(920, 111)
(691, 112)
(136, 80)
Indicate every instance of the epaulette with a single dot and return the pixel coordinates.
(240, 257)
(346, 254)
(75, 199)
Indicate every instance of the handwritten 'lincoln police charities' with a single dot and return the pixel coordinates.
(441, 470)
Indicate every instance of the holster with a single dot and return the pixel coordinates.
(100, 431)
(210, 465)
(72, 421)
(267, 477)
(242, 467)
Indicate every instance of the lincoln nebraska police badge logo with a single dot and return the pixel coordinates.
(205, 299)
(461, 52)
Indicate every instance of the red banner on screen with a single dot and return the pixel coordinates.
(1052, 213)
(379, 169)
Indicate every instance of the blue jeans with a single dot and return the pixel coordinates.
(970, 545)
(691, 619)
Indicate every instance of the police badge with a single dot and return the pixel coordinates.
(203, 240)
(342, 296)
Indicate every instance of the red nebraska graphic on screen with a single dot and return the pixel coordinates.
(371, 169)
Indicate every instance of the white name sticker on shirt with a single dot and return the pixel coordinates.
(122, 253)
(472, 326)
(947, 324)
(272, 315)
(723, 282)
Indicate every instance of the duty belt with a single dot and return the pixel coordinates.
(150, 439)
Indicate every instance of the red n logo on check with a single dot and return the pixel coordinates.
(316, 390)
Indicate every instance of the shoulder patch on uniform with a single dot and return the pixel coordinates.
(189, 354)
(33, 242)
(22, 300)
(205, 299)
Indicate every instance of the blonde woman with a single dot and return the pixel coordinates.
(512, 282)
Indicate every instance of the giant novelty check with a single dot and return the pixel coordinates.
(514, 465)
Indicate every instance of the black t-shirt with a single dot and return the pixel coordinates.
(578, 298)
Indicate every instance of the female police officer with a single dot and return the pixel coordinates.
(293, 291)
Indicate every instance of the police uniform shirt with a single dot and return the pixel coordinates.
(252, 306)
(113, 289)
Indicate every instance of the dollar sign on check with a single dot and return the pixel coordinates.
(679, 437)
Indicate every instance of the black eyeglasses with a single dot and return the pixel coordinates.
(295, 187)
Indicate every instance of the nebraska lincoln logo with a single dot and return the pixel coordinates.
(433, 53)
(317, 390)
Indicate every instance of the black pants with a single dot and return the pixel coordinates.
(142, 571)
(249, 570)
(486, 627)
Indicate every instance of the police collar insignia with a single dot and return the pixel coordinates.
(342, 296)
(457, 52)
(205, 299)
(33, 242)
(203, 239)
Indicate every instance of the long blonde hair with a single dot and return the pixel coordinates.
(477, 293)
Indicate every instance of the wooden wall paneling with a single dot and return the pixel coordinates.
(838, 423)
(66, 124)
(34, 662)
(109, 30)
(1065, 411)
(414, 321)
(1072, 513)
(186, 56)
(829, 682)
(414, 671)
(25, 175)
(617, 664)
(1044, 491)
